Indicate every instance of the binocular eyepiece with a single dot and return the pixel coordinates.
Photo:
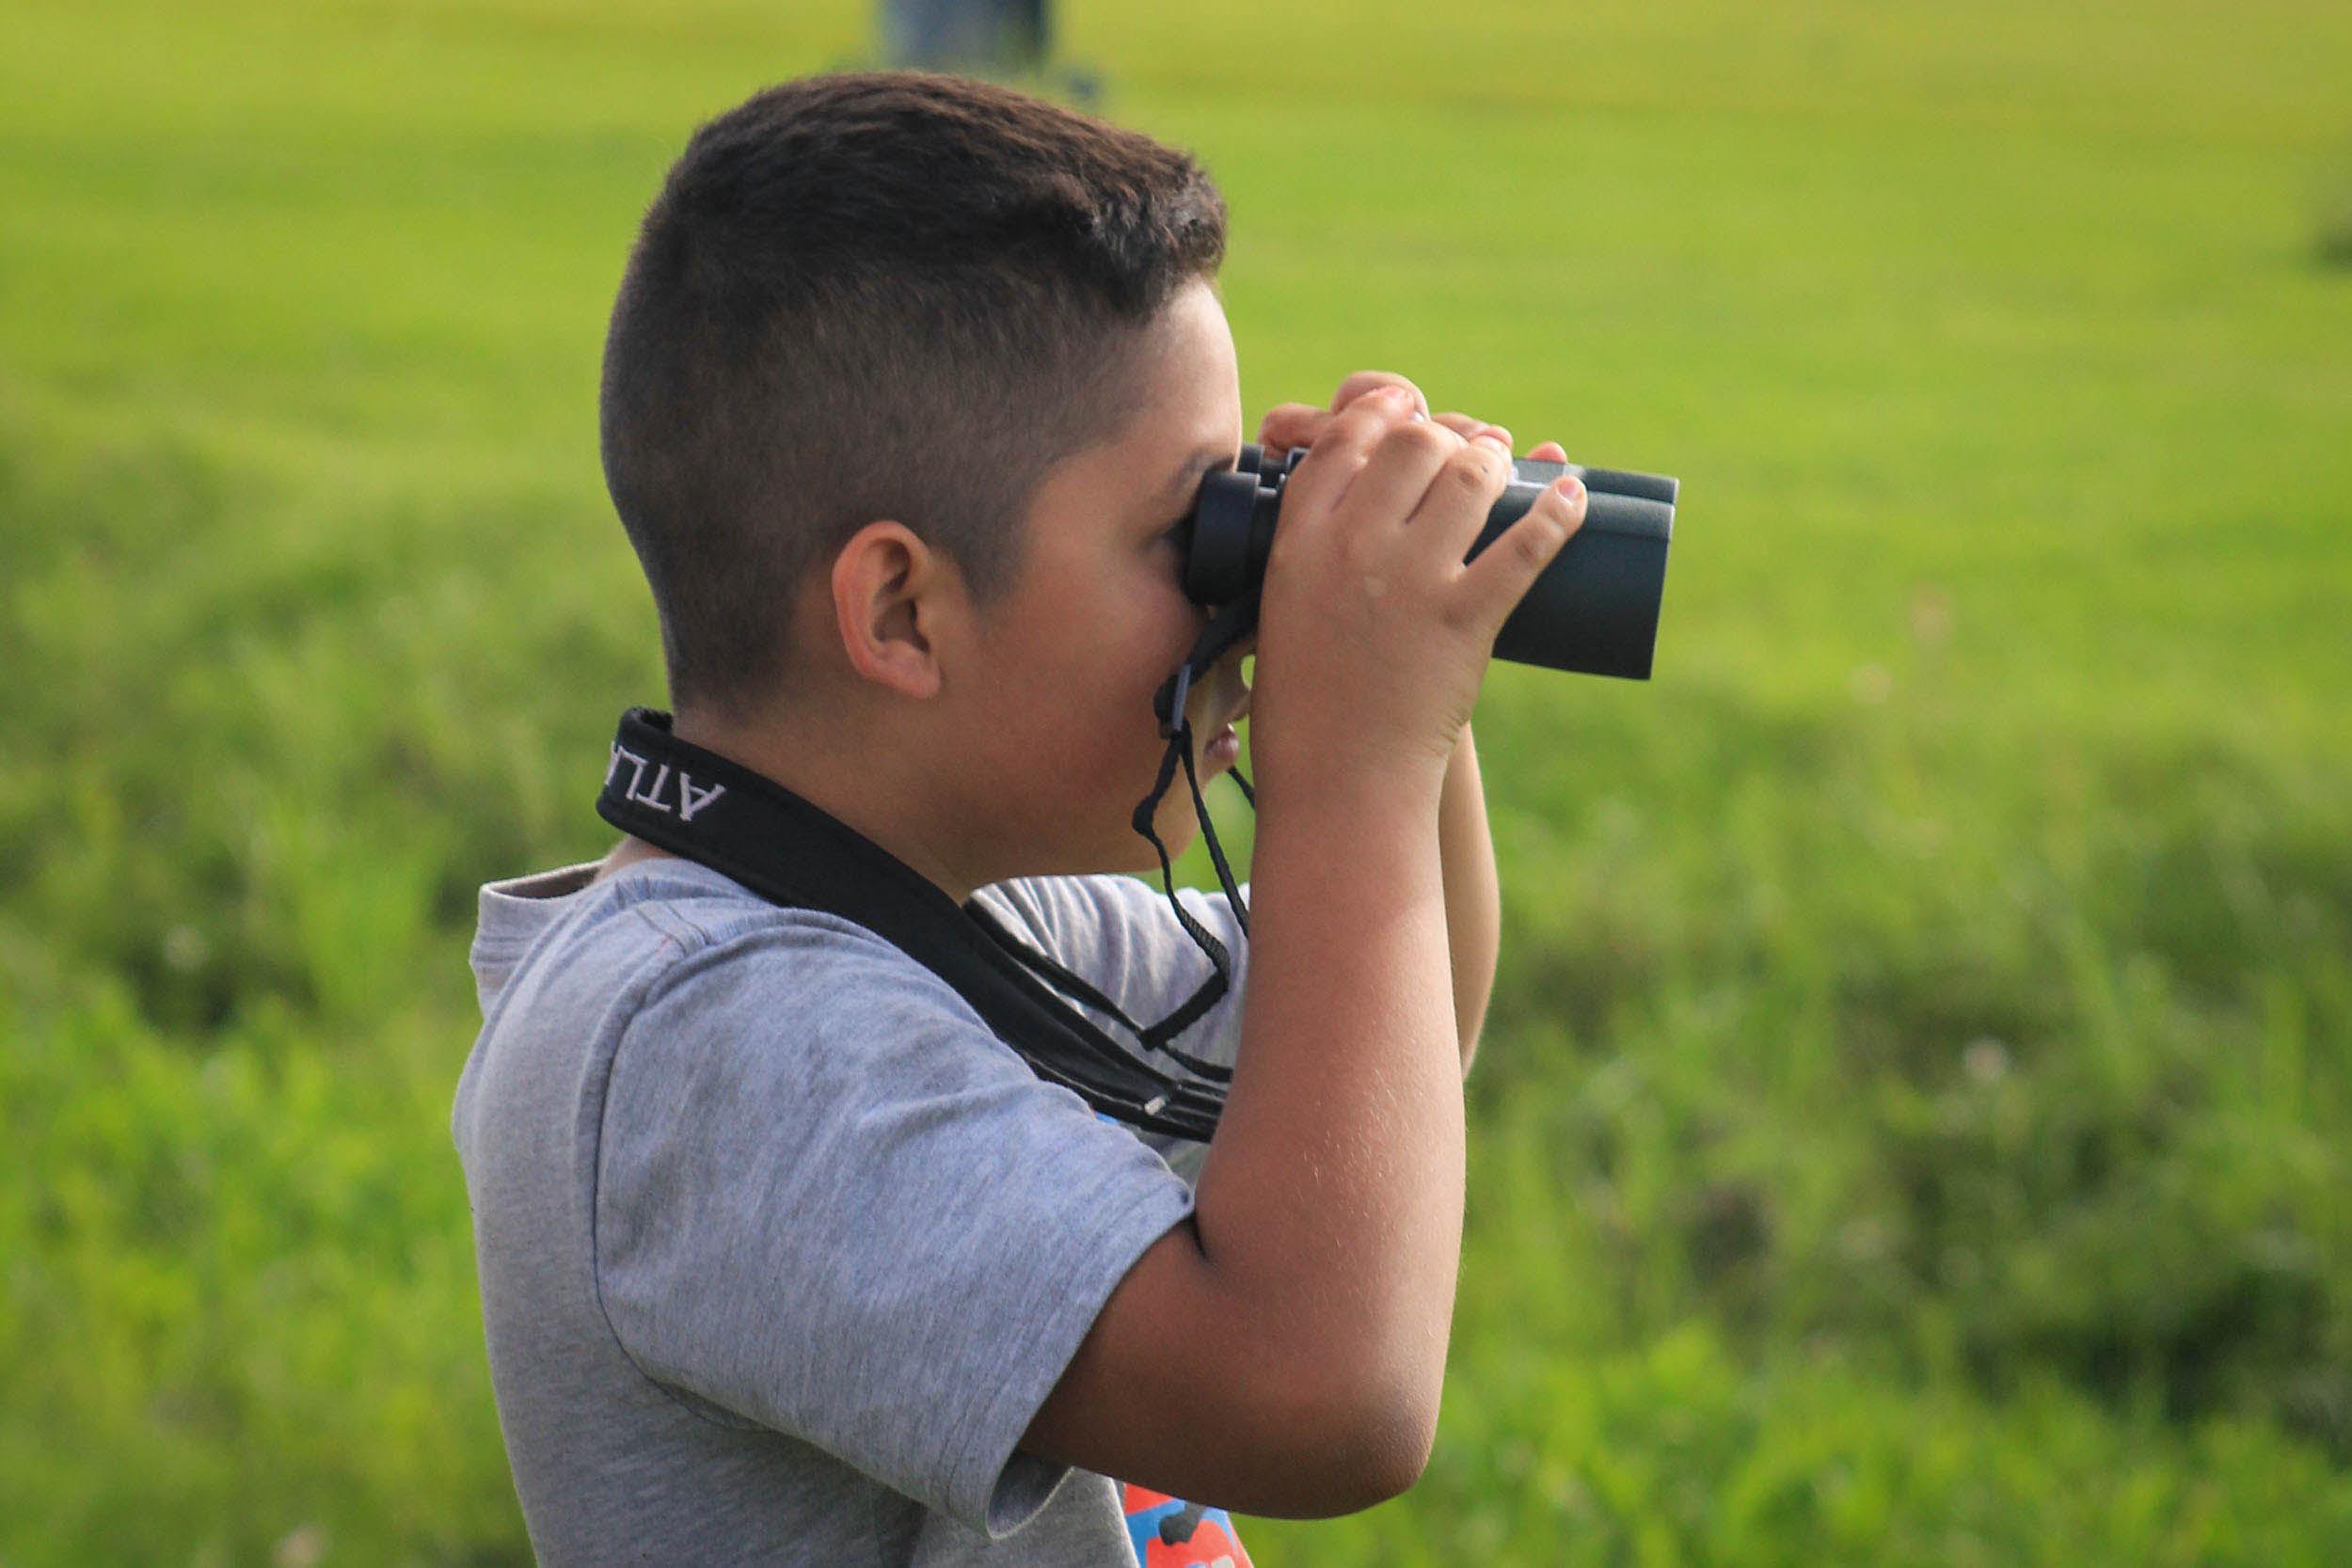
(1594, 610)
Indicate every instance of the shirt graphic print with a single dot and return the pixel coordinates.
(1170, 1532)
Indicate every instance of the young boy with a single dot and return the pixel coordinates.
(784, 1256)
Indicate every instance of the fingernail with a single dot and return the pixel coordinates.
(1568, 486)
(1493, 440)
(1396, 397)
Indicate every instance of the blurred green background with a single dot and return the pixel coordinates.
(1912, 1124)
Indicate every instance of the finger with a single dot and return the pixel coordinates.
(1505, 569)
(1366, 381)
(1322, 477)
(1550, 452)
(1407, 479)
(1454, 513)
(1297, 425)
(1292, 425)
(1467, 425)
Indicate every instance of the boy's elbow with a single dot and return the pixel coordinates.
(1333, 1452)
(1394, 1452)
(1378, 1452)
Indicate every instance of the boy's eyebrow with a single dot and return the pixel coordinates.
(1187, 476)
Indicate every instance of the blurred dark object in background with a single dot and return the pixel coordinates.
(955, 35)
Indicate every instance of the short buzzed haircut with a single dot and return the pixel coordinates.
(893, 294)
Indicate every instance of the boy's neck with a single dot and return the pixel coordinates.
(806, 774)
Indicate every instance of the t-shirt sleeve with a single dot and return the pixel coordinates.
(831, 1201)
(1117, 933)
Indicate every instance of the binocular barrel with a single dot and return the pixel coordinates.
(1594, 610)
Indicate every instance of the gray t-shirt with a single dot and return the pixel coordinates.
(780, 1247)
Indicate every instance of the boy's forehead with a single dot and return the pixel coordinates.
(1191, 401)
(1196, 365)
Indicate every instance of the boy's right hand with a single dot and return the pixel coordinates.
(1372, 636)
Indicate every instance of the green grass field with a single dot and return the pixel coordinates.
(1913, 1124)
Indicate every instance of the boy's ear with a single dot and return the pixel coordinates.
(892, 594)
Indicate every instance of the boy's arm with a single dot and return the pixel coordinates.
(1473, 913)
(1473, 903)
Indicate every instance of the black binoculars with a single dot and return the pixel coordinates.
(1594, 610)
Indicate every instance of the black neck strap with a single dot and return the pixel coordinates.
(1224, 630)
(700, 805)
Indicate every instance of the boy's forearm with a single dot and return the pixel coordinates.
(1331, 1199)
(1473, 899)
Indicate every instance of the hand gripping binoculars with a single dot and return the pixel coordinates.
(1593, 611)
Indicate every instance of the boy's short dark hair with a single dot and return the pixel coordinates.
(884, 294)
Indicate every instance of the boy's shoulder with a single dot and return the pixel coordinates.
(636, 927)
(569, 960)
(686, 906)
(645, 925)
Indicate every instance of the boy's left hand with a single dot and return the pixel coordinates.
(1297, 425)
